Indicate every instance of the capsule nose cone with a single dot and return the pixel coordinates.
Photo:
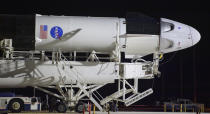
(195, 36)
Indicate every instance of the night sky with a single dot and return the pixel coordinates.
(186, 75)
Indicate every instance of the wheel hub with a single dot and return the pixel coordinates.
(16, 105)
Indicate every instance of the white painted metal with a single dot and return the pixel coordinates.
(100, 33)
(115, 96)
(96, 35)
(92, 33)
(139, 44)
(180, 37)
(136, 84)
(90, 96)
(72, 75)
(130, 98)
(138, 97)
(134, 70)
(156, 63)
(23, 73)
(35, 106)
(6, 46)
(4, 101)
(124, 89)
(49, 92)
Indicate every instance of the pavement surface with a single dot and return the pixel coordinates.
(97, 112)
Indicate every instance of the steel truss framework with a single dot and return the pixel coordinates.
(127, 93)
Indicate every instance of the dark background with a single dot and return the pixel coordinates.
(186, 75)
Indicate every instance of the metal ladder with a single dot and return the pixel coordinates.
(115, 96)
(137, 97)
(80, 82)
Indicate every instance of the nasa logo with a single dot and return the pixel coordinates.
(56, 32)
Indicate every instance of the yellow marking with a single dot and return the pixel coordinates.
(161, 56)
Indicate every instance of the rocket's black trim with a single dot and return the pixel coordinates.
(137, 23)
(20, 28)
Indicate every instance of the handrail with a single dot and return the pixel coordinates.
(99, 94)
(77, 73)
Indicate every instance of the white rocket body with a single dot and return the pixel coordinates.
(43, 51)
(22, 73)
(92, 33)
(99, 33)
(87, 34)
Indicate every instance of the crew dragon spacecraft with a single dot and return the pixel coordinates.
(78, 55)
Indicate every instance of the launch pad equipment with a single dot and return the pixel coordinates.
(79, 55)
(8, 101)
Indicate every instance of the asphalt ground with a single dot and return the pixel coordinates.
(97, 112)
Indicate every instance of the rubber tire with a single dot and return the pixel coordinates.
(79, 107)
(16, 100)
(61, 107)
